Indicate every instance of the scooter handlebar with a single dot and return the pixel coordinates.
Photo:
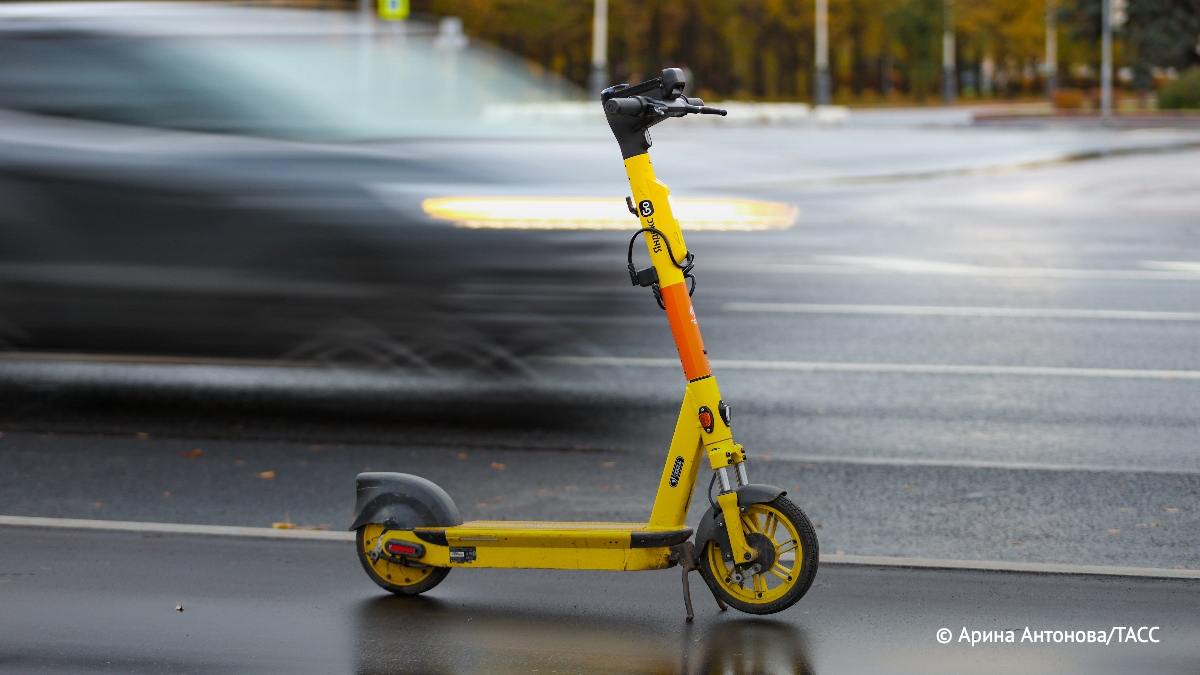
(633, 106)
(638, 106)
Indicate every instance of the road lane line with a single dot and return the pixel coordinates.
(1008, 566)
(175, 528)
(865, 265)
(25, 357)
(944, 311)
(802, 458)
(826, 558)
(1185, 266)
(879, 368)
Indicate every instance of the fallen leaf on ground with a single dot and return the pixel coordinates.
(283, 526)
(1114, 530)
(497, 466)
(193, 453)
(266, 475)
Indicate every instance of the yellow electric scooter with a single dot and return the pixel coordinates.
(754, 548)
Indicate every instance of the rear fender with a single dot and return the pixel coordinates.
(401, 501)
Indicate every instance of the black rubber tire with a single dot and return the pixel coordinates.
(418, 588)
(808, 569)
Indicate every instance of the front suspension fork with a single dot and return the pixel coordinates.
(726, 457)
(731, 513)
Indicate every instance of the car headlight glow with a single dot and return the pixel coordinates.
(695, 214)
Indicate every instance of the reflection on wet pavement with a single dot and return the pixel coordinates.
(430, 636)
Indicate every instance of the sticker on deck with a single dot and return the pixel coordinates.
(462, 554)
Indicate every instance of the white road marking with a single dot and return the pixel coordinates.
(1008, 566)
(801, 458)
(23, 357)
(861, 265)
(175, 528)
(1186, 266)
(980, 312)
(826, 558)
(881, 368)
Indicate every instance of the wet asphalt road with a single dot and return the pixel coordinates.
(1071, 289)
(965, 364)
(1122, 518)
(78, 602)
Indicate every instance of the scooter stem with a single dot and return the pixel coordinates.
(631, 111)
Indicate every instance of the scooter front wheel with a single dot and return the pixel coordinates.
(786, 565)
(391, 576)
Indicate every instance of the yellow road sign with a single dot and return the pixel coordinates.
(393, 10)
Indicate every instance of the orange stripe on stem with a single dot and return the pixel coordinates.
(686, 331)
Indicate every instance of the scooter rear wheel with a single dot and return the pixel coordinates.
(783, 527)
(391, 576)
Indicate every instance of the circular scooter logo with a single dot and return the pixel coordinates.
(646, 207)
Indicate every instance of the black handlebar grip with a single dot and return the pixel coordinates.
(624, 106)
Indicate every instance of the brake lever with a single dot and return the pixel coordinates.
(674, 108)
(678, 109)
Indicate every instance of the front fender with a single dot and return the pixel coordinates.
(712, 525)
(402, 501)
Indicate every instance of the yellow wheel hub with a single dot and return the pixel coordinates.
(767, 585)
(391, 572)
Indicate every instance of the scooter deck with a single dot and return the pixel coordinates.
(559, 533)
(552, 544)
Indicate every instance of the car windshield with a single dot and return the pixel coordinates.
(338, 87)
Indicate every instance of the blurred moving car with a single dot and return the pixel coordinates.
(212, 180)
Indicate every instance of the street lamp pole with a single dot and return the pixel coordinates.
(1106, 60)
(598, 77)
(821, 47)
(949, 76)
(1051, 48)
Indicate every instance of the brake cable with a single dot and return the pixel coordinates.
(651, 278)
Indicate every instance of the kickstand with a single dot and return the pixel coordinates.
(687, 562)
